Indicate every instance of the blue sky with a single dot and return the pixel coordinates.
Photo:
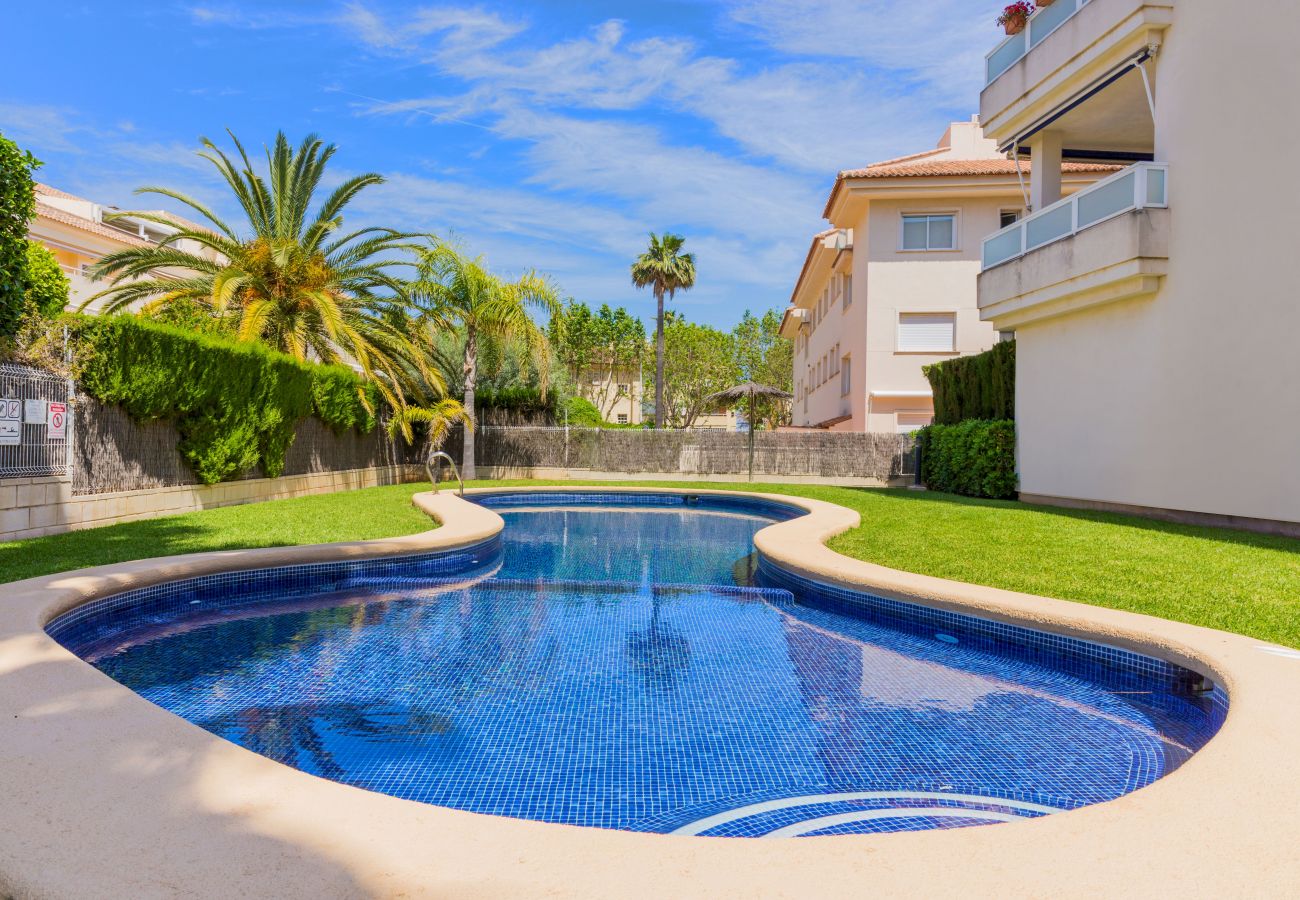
(543, 135)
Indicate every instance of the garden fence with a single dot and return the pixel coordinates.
(113, 452)
(824, 454)
(35, 428)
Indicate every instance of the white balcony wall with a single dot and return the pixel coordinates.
(1185, 400)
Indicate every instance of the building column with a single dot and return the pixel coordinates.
(1045, 174)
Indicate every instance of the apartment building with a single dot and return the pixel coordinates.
(890, 286)
(76, 231)
(1155, 313)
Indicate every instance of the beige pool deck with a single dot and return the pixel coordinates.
(104, 795)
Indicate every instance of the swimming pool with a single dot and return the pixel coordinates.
(624, 661)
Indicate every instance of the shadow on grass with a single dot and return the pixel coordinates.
(1121, 520)
(118, 543)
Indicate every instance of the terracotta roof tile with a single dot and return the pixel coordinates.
(178, 221)
(941, 167)
(55, 192)
(938, 168)
(45, 211)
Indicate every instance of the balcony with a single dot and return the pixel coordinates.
(1106, 243)
(1043, 22)
(1137, 187)
(1073, 66)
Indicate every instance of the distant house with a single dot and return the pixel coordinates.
(891, 286)
(76, 232)
(617, 393)
(718, 420)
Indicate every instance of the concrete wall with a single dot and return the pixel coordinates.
(1189, 400)
(32, 507)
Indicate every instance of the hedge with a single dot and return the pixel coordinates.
(975, 387)
(47, 286)
(976, 458)
(17, 205)
(235, 404)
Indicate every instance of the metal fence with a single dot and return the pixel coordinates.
(826, 454)
(35, 423)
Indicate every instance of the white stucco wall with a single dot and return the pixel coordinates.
(899, 281)
(1190, 400)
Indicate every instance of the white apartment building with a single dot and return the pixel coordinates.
(890, 287)
(1155, 313)
(76, 231)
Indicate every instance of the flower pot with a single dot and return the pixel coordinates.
(1042, 3)
(1015, 24)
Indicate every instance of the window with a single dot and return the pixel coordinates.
(907, 422)
(622, 418)
(930, 232)
(625, 389)
(1008, 217)
(927, 332)
(846, 377)
(846, 287)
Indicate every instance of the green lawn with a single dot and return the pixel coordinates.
(1232, 580)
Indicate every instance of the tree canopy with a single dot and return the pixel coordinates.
(597, 346)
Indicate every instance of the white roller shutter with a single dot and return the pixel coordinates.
(927, 332)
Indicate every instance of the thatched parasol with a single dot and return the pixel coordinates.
(749, 390)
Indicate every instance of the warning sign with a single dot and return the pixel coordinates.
(34, 412)
(11, 421)
(58, 421)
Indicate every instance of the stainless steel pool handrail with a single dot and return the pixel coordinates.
(440, 455)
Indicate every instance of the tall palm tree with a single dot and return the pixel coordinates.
(289, 279)
(666, 270)
(456, 291)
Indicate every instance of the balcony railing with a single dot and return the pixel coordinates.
(1043, 22)
(1138, 187)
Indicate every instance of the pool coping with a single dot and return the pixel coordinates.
(104, 794)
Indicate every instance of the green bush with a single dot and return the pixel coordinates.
(976, 458)
(17, 204)
(579, 413)
(975, 387)
(47, 286)
(235, 404)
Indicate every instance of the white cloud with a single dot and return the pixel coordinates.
(938, 45)
(615, 132)
(42, 128)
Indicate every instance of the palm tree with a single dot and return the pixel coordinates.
(454, 290)
(666, 270)
(290, 280)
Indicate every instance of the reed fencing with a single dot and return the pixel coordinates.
(827, 454)
(113, 452)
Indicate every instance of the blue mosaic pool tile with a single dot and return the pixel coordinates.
(607, 662)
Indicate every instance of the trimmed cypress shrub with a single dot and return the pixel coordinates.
(17, 204)
(235, 404)
(976, 458)
(975, 387)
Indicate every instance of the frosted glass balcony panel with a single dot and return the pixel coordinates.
(1002, 247)
(1048, 225)
(1106, 199)
(1049, 18)
(1156, 187)
(1007, 54)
